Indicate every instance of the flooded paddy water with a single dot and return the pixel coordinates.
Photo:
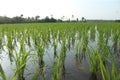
(59, 59)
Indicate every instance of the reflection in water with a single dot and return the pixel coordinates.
(63, 54)
(63, 72)
(42, 69)
(80, 57)
(55, 52)
(78, 61)
(21, 77)
(93, 77)
(83, 53)
(28, 41)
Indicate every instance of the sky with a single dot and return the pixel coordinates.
(90, 9)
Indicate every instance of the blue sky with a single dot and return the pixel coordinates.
(90, 9)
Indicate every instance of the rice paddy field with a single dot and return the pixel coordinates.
(60, 51)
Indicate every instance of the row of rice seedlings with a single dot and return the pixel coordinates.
(62, 58)
(106, 74)
(92, 33)
(115, 75)
(40, 58)
(39, 47)
(81, 46)
(104, 70)
(20, 58)
(59, 66)
(28, 38)
(94, 53)
(56, 75)
(94, 62)
(99, 59)
(116, 38)
(98, 66)
(9, 45)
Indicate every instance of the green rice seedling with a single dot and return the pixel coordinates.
(114, 70)
(84, 43)
(14, 39)
(77, 47)
(61, 59)
(73, 38)
(104, 48)
(63, 56)
(56, 75)
(10, 46)
(59, 67)
(100, 40)
(59, 36)
(39, 47)
(56, 70)
(36, 41)
(2, 73)
(79, 57)
(69, 43)
(105, 54)
(35, 76)
(94, 61)
(115, 40)
(92, 33)
(28, 38)
(40, 53)
(104, 70)
(106, 36)
(55, 48)
(115, 75)
(20, 60)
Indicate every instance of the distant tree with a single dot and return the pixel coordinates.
(59, 20)
(46, 19)
(4, 19)
(51, 16)
(77, 19)
(53, 20)
(32, 19)
(83, 19)
(117, 20)
(37, 18)
(21, 19)
(21, 15)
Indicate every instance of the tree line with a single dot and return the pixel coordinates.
(21, 19)
(36, 19)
